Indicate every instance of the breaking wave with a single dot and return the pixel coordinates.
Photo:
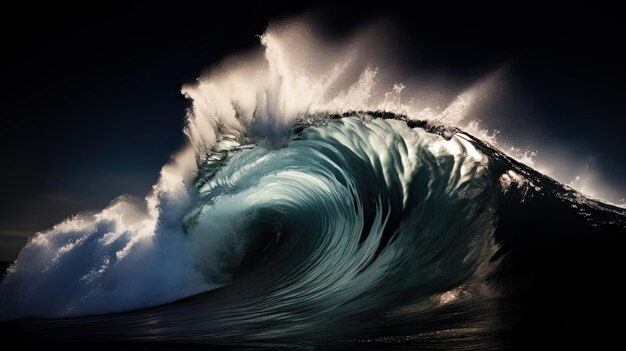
(297, 213)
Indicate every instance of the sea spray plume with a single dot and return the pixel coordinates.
(259, 94)
(297, 73)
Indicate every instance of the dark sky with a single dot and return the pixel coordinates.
(91, 107)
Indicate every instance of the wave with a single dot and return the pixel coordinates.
(290, 215)
(342, 209)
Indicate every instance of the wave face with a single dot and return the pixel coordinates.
(290, 218)
(334, 217)
(346, 219)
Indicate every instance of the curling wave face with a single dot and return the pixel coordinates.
(354, 214)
